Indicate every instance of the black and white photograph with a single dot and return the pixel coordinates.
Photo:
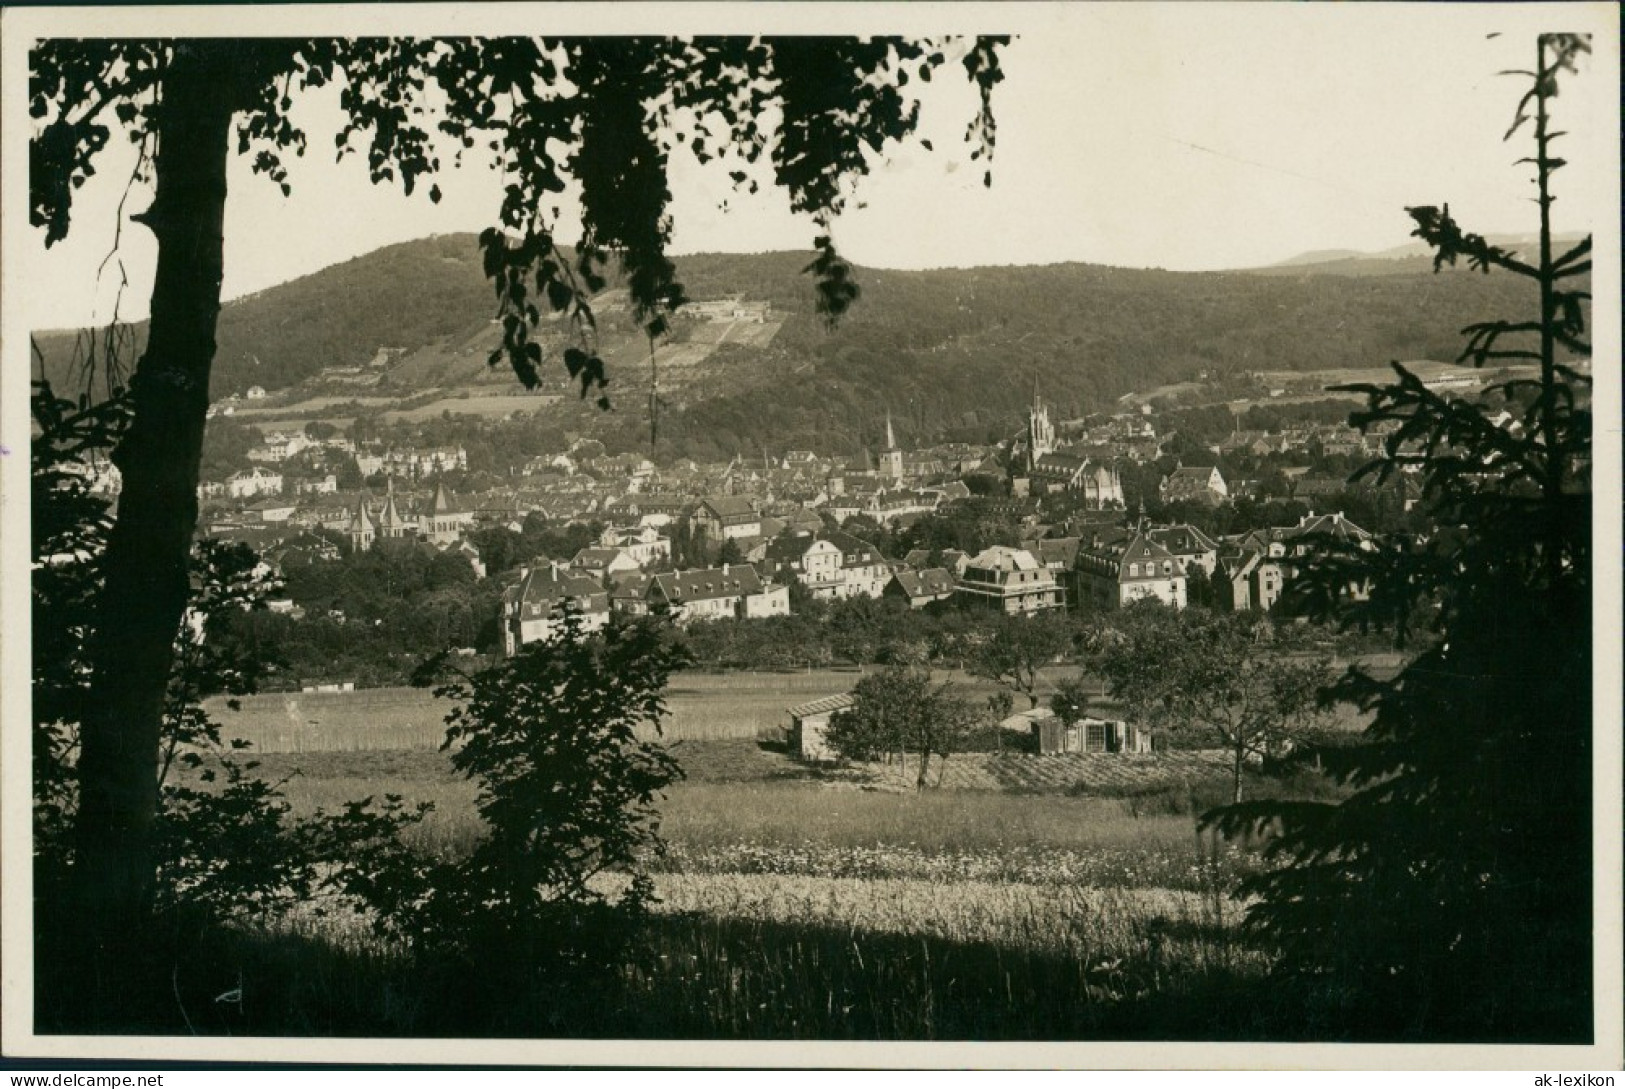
(812, 534)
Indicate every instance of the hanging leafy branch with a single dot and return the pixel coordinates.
(604, 113)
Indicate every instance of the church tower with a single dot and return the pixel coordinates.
(362, 531)
(390, 524)
(1040, 432)
(891, 459)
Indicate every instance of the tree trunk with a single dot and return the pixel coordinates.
(1240, 761)
(925, 762)
(149, 546)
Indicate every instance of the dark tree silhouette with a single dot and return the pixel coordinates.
(1450, 896)
(605, 112)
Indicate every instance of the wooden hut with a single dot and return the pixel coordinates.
(810, 721)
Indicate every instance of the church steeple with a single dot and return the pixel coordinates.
(390, 522)
(1040, 432)
(362, 530)
(891, 459)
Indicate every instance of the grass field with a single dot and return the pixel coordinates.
(796, 903)
(1034, 897)
(704, 707)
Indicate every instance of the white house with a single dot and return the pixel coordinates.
(1115, 575)
(716, 593)
(533, 607)
(643, 544)
(253, 482)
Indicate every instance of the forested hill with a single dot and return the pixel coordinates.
(944, 350)
(957, 353)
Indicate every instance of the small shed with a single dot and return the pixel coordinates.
(808, 723)
(1091, 735)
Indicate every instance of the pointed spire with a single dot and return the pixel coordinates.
(891, 440)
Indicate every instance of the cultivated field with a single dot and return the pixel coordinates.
(314, 406)
(485, 404)
(1426, 369)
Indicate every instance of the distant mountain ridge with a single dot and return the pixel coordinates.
(953, 351)
(1409, 258)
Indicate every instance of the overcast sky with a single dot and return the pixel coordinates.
(1174, 136)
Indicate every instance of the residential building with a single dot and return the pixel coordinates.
(921, 588)
(327, 485)
(1102, 735)
(1112, 575)
(1201, 483)
(727, 517)
(892, 504)
(1057, 553)
(1010, 580)
(629, 592)
(643, 544)
(1190, 547)
(864, 571)
(732, 590)
(600, 562)
(533, 608)
(279, 446)
(1249, 581)
(1313, 529)
(271, 510)
(250, 483)
(812, 560)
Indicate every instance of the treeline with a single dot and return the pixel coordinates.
(372, 616)
(862, 631)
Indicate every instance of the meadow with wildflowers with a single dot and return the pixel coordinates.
(804, 903)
